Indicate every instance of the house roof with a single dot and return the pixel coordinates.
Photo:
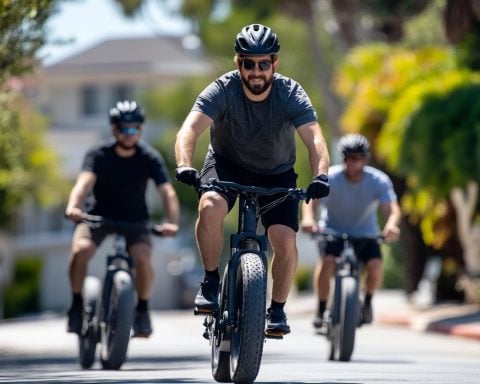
(163, 55)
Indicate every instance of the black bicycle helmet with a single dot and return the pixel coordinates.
(354, 143)
(257, 39)
(126, 112)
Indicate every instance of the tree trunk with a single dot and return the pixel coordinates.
(414, 250)
(465, 202)
(306, 10)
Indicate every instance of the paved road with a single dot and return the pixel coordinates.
(39, 351)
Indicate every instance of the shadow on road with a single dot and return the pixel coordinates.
(310, 382)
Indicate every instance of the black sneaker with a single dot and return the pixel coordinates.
(142, 326)
(75, 318)
(206, 301)
(277, 322)
(367, 314)
(318, 321)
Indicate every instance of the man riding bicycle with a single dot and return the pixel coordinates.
(116, 173)
(357, 192)
(253, 113)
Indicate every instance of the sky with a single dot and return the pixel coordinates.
(88, 22)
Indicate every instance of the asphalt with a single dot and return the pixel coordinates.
(392, 307)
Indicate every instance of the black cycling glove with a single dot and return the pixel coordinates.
(318, 188)
(188, 175)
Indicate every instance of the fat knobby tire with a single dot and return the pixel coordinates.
(119, 324)
(248, 339)
(87, 340)
(221, 356)
(348, 318)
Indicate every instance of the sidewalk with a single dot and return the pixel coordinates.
(392, 308)
(453, 319)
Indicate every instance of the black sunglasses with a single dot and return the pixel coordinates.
(263, 65)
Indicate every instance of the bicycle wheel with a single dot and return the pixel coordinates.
(247, 338)
(220, 339)
(88, 338)
(117, 323)
(343, 337)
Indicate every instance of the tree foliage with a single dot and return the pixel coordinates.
(432, 137)
(372, 77)
(28, 169)
(462, 27)
(172, 105)
(389, 16)
(432, 134)
(22, 34)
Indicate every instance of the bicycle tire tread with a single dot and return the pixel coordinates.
(252, 333)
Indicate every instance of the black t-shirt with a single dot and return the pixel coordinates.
(119, 191)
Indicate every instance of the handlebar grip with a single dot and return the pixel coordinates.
(155, 231)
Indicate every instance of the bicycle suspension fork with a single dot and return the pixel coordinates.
(245, 241)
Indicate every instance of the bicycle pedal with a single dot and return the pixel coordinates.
(273, 335)
(141, 335)
(203, 311)
(206, 335)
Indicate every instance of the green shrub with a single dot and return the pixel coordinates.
(303, 278)
(22, 295)
(393, 268)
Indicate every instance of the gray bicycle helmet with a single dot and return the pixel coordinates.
(126, 112)
(354, 143)
(257, 39)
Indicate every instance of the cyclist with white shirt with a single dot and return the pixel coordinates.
(357, 192)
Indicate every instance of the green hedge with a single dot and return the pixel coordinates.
(22, 295)
(393, 267)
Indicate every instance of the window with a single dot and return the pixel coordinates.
(121, 92)
(90, 100)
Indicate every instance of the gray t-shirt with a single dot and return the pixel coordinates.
(256, 136)
(352, 207)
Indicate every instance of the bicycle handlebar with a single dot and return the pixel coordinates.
(100, 221)
(345, 236)
(294, 193)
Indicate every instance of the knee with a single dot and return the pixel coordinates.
(212, 206)
(328, 264)
(283, 240)
(143, 261)
(374, 266)
(142, 255)
(82, 251)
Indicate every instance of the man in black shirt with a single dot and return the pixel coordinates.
(116, 173)
(253, 114)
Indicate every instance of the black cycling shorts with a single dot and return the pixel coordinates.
(285, 213)
(97, 235)
(365, 249)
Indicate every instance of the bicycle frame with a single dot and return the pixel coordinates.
(246, 239)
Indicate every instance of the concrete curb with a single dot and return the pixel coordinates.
(454, 319)
(392, 308)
